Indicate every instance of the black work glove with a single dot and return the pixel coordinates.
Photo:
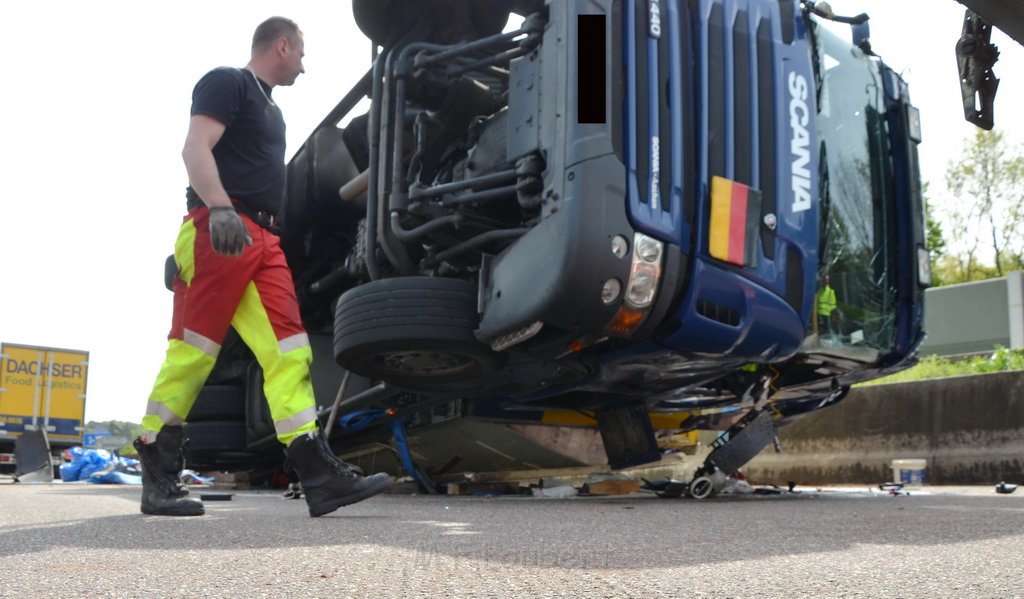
(228, 232)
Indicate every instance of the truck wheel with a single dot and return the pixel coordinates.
(218, 402)
(412, 330)
(383, 20)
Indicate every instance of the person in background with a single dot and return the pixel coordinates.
(232, 272)
(827, 304)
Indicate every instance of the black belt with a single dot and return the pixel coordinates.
(265, 219)
(262, 218)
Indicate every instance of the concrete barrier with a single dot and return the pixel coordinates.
(970, 430)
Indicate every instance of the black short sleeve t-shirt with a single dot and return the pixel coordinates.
(250, 154)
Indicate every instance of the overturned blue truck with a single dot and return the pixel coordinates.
(708, 210)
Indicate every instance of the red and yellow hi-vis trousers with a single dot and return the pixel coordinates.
(253, 293)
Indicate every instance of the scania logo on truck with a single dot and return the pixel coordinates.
(654, 18)
(800, 143)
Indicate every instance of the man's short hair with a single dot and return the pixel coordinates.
(273, 28)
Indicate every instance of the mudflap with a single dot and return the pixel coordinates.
(32, 454)
(744, 445)
(628, 435)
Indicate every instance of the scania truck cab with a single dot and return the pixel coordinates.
(620, 207)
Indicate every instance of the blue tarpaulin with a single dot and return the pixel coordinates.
(100, 466)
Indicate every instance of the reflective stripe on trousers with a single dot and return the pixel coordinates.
(254, 294)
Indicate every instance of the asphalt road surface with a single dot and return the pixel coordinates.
(77, 540)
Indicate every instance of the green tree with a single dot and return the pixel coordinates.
(951, 268)
(117, 428)
(934, 238)
(988, 212)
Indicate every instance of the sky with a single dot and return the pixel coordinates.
(94, 113)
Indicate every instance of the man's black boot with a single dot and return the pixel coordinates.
(327, 482)
(163, 493)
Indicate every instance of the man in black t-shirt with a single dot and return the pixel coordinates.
(232, 272)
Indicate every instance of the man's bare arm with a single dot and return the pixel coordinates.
(203, 133)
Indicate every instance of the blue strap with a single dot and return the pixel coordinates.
(355, 421)
(402, 443)
(359, 420)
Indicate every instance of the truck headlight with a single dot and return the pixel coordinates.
(645, 271)
(643, 282)
(648, 249)
(642, 286)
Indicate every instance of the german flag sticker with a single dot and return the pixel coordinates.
(735, 209)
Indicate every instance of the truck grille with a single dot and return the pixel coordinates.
(741, 138)
(660, 121)
(726, 48)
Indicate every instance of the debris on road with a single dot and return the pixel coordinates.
(609, 484)
(737, 486)
(893, 488)
(1005, 488)
(560, 491)
(667, 489)
(554, 487)
(191, 477)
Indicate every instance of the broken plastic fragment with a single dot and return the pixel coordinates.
(1005, 488)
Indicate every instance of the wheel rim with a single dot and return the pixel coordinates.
(419, 363)
(701, 487)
